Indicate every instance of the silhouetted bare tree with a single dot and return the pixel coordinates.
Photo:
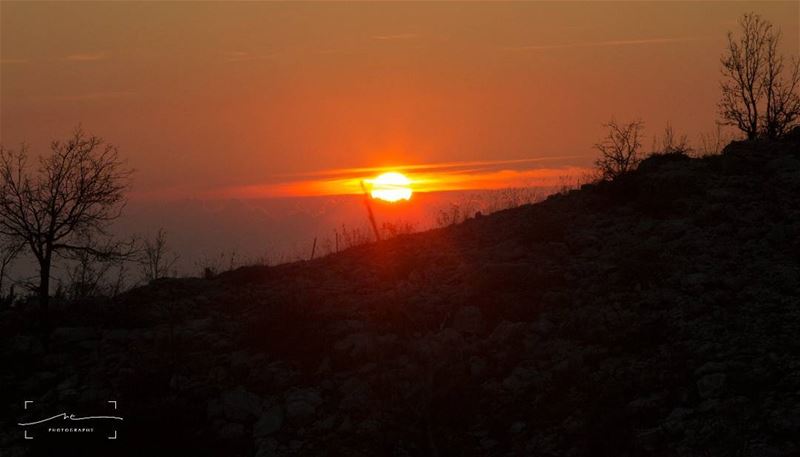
(671, 143)
(77, 190)
(9, 249)
(756, 97)
(783, 102)
(620, 151)
(89, 275)
(711, 143)
(157, 260)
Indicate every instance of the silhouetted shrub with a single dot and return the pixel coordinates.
(156, 260)
(670, 143)
(620, 151)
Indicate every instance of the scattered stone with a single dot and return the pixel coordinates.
(199, 325)
(649, 439)
(117, 335)
(178, 382)
(711, 386)
(68, 384)
(506, 332)
(72, 335)
(519, 379)
(268, 448)
(468, 319)
(327, 424)
(301, 405)
(674, 423)
(231, 431)
(543, 326)
(355, 395)
(240, 405)
(477, 366)
(240, 364)
(710, 367)
(269, 423)
(357, 345)
(26, 345)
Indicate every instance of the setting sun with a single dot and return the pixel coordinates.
(391, 187)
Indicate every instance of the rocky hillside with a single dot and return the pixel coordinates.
(655, 315)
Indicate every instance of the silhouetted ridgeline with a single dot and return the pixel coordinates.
(654, 315)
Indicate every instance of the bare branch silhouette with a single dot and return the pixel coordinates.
(60, 208)
(620, 151)
(756, 98)
(156, 259)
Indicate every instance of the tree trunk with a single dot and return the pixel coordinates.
(44, 299)
(44, 283)
(2, 277)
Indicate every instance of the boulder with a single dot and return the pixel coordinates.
(27, 345)
(214, 408)
(72, 335)
(506, 332)
(240, 405)
(231, 431)
(477, 366)
(711, 385)
(357, 345)
(242, 362)
(117, 335)
(269, 423)
(675, 423)
(355, 395)
(268, 448)
(468, 319)
(301, 405)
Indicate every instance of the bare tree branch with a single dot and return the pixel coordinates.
(671, 143)
(156, 260)
(9, 250)
(620, 151)
(74, 194)
(756, 98)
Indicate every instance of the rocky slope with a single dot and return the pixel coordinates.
(656, 315)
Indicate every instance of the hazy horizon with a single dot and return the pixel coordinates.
(224, 232)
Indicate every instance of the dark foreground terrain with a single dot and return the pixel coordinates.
(656, 315)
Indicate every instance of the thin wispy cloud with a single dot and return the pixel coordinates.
(443, 167)
(446, 176)
(397, 36)
(90, 96)
(608, 43)
(336, 51)
(474, 179)
(244, 56)
(86, 57)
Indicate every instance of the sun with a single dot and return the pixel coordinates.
(391, 187)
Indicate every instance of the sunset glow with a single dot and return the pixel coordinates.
(441, 177)
(286, 92)
(391, 187)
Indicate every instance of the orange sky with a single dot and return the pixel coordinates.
(261, 99)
